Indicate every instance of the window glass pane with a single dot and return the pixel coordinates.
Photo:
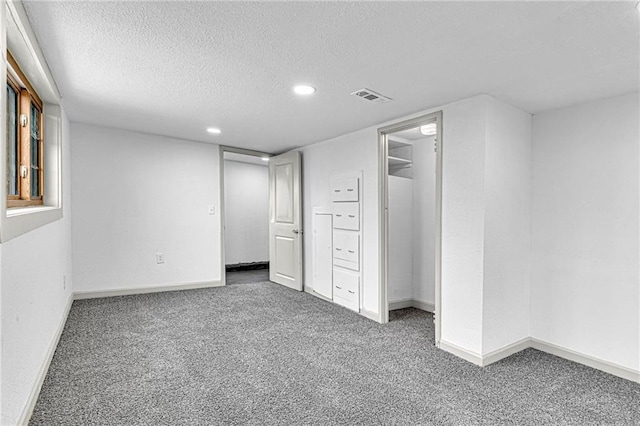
(12, 141)
(35, 162)
(35, 151)
(35, 122)
(35, 182)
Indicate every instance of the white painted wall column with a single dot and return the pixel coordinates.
(486, 227)
(507, 229)
(463, 219)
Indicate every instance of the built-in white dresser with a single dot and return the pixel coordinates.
(347, 241)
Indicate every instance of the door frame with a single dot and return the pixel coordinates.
(383, 202)
(223, 149)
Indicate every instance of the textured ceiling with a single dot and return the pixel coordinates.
(176, 68)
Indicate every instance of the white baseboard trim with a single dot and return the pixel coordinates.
(44, 368)
(371, 315)
(541, 345)
(506, 351)
(491, 357)
(94, 294)
(412, 303)
(465, 354)
(400, 304)
(425, 306)
(598, 364)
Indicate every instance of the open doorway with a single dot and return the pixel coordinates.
(410, 226)
(245, 215)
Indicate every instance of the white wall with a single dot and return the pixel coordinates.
(135, 195)
(246, 203)
(424, 220)
(507, 233)
(401, 239)
(34, 299)
(463, 209)
(585, 280)
(343, 155)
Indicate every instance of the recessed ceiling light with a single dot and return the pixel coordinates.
(265, 158)
(214, 130)
(429, 129)
(304, 90)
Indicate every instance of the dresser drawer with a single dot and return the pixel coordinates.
(346, 216)
(346, 284)
(346, 288)
(344, 189)
(346, 246)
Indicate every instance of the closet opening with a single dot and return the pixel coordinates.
(410, 226)
(245, 215)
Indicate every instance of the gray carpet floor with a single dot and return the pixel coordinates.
(245, 277)
(263, 354)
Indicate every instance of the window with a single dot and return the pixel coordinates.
(25, 144)
(35, 133)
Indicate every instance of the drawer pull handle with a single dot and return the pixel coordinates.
(350, 251)
(352, 215)
(336, 190)
(338, 215)
(350, 190)
(352, 292)
(339, 288)
(338, 249)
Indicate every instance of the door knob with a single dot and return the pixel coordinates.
(295, 231)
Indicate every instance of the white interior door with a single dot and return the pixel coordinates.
(285, 220)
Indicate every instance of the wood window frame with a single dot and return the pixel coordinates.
(27, 98)
(12, 197)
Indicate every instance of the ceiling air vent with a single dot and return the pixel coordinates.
(371, 96)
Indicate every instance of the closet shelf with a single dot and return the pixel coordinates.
(405, 173)
(394, 144)
(400, 159)
(397, 161)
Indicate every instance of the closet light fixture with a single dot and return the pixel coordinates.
(265, 158)
(214, 130)
(304, 90)
(429, 129)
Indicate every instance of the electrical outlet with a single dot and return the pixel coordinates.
(212, 210)
(159, 258)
